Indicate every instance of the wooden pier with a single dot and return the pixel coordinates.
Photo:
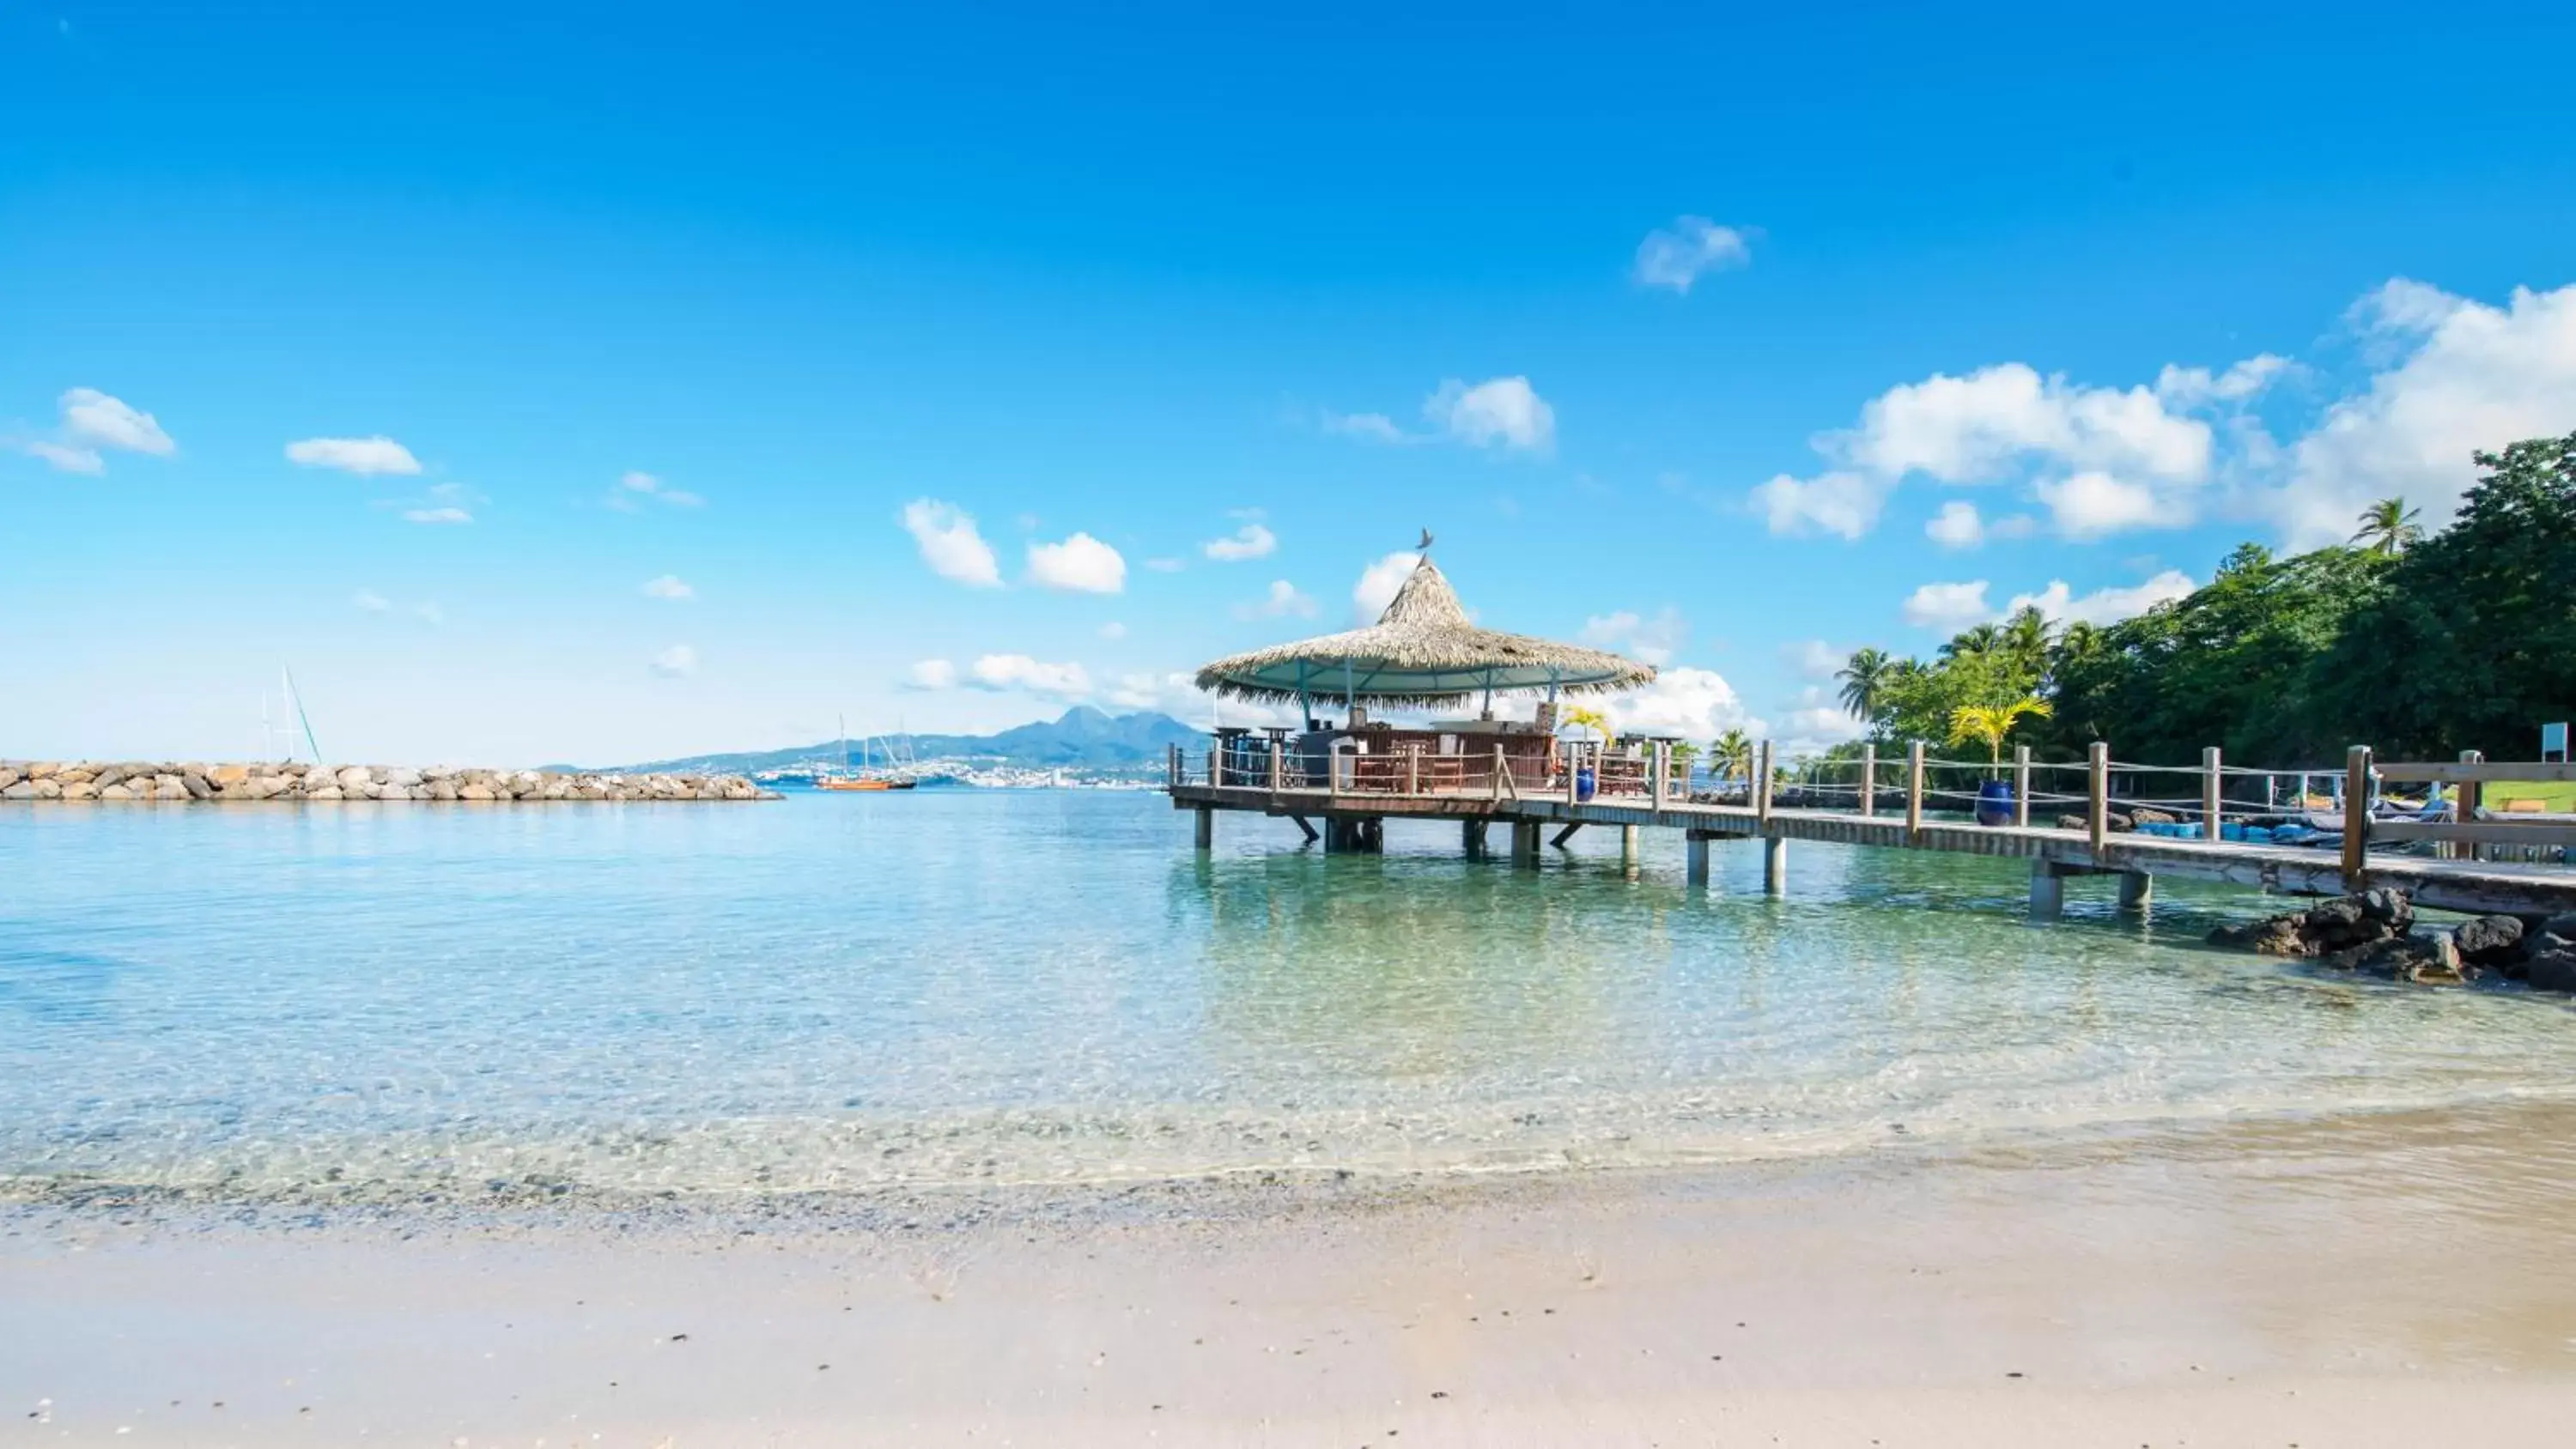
(1352, 807)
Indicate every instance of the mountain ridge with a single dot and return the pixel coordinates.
(1082, 736)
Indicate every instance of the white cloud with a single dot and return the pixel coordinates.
(1696, 704)
(1813, 658)
(669, 586)
(1081, 564)
(1967, 429)
(1653, 641)
(676, 662)
(95, 418)
(1113, 630)
(634, 487)
(1019, 671)
(429, 613)
(371, 602)
(2103, 606)
(1815, 723)
(2464, 376)
(1282, 600)
(1373, 427)
(2196, 387)
(2094, 504)
(362, 456)
(1250, 541)
(92, 421)
(931, 674)
(1378, 583)
(1503, 411)
(1956, 526)
(1678, 255)
(437, 515)
(65, 457)
(1948, 607)
(1839, 503)
(950, 544)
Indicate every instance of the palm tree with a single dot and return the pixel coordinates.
(1730, 755)
(2389, 527)
(1864, 678)
(1979, 640)
(1990, 723)
(2026, 636)
(1583, 717)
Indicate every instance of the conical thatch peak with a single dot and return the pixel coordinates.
(1422, 650)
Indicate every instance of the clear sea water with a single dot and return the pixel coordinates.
(963, 987)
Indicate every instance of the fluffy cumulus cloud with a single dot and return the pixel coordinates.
(362, 456)
(669, 586)
(1081, 564)
(1248, 542)
(447, 514)
(635, 489)
(1840, 503)
(1948, 607)
(1504, 412)
(1678, 255)
(950, 545)
(1281, 601)
(2103, 606)
(1957, 525)
(2466, 376)
(2094, 504)
(1696, 704)
(677, 662)
(91, 425)
(1028, 675)
(1378, 583)
(1815, 723)
(1653, 640)
(931, 674)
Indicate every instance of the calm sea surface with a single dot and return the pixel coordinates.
(1000, 987)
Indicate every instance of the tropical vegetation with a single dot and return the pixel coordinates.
(2420, 645)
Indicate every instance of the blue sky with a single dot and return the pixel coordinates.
(1678, 332)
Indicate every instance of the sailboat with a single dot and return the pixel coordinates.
(849, 779)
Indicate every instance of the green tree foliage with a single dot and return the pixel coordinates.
(2419, 647)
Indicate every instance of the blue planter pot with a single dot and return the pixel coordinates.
(1995, 803)
(1584, 784)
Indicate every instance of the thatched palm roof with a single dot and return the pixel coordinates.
(1423, 650)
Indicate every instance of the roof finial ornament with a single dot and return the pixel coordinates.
(1425, 545)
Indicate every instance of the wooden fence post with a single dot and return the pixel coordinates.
(1412, 772)
(1278, 766)
(2356, 818)
(2021, 785)
(2097, 805)
(2464, 807)
(2213, 795)
(1503, 775)
(1914, 789)
(1663, 776)
(1868, 780)
(1762, 783)
(1172, 765)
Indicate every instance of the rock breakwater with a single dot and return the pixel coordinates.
(46, 781)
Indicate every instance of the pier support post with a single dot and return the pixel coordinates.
(1775, 864)
(1628, 845)
(2021, 785)
(1695, 859)
(1473, 832)
(1525, 837)
(2136, 889)
(2047, 891)
(2097, 795)
(1205, 834)
(2356, 819)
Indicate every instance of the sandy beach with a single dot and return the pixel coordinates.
(2360, 1281)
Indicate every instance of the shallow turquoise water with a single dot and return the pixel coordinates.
(847, 992)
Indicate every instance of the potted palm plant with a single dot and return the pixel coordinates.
(1594, 722)
(1989, 724)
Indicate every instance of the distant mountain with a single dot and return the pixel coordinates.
(1082, 736)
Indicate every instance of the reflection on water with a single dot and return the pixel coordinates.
(974, 987)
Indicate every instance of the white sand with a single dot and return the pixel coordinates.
(2410, 1284)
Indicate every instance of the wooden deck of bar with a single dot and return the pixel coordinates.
(2055, 854)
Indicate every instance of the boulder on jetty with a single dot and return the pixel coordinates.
(191, 783)
(2374, 932)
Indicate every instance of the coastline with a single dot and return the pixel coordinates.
(2401, 1279)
